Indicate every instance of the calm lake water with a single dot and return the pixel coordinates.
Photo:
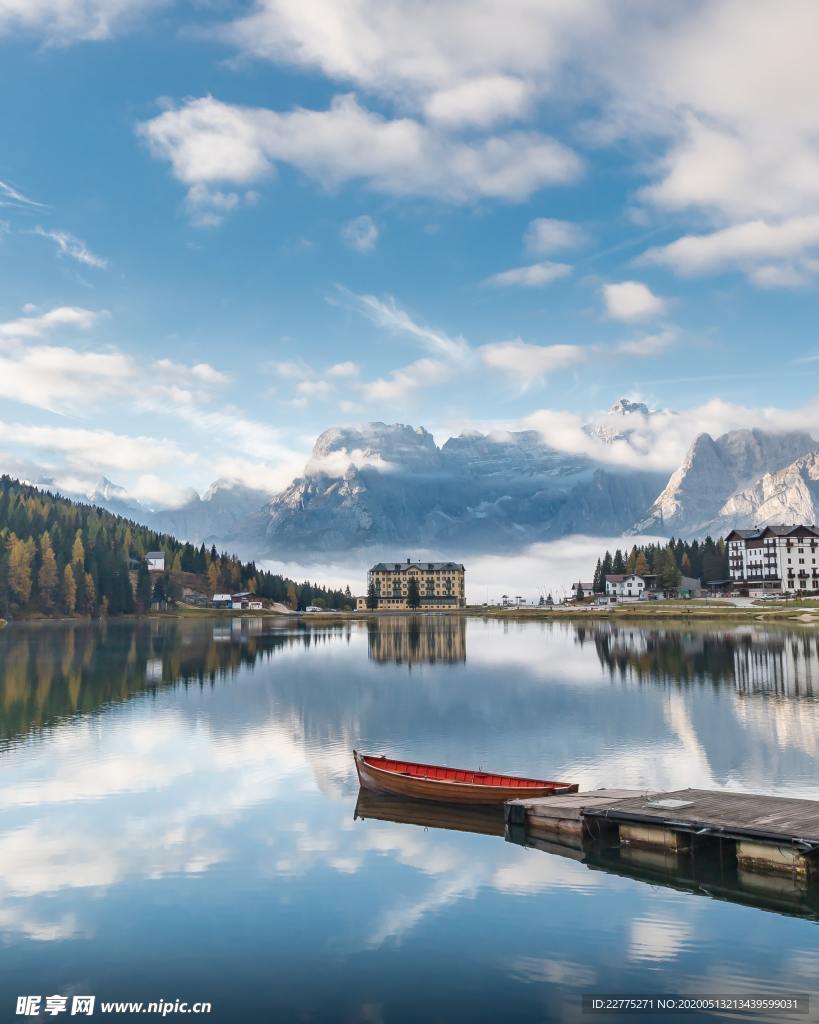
(178, 816)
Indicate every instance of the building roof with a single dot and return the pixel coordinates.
(154, 554)
(401, 566)
(244, 593)
(774, 530)
(616, 577)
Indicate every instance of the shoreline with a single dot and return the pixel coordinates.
(794, 613)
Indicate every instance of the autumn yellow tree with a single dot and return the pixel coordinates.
(213, 577)
(69, 591)
(21, 555)
(47, 577)
(90, 594)
(77, 549)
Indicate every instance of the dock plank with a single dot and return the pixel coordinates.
(569, 807)
(792, 820)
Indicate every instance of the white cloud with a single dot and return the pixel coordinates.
(68, 245)
(404, 383)
(311, 388)
(631, 300)
(533, 276)
(11, 196)
(360, 233)
(648, 344)
(389, 315)
(527, 363)
(400, 50)
(61, 22)
(346, 369)
(545, 235)
(158, 493)
(58, 378)
(717, 91)
(479, 101)
(749, 246)
(102, 449)
(337, 462)
(202, 373)
(661, 440)
(36, 326)
(208, 142)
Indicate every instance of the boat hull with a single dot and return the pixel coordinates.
(379, 780)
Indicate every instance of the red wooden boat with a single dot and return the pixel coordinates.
(450, 785)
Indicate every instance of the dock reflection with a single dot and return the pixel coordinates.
(711, 873)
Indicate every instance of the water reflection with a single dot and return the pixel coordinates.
(410, 639)
(754, 661)
(177, 806)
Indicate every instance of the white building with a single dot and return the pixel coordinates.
(774, 558)
(630, 585)
(155, 561)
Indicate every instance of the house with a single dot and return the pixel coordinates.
(221, 601)
(689, 587)
(774, 558)
(361, 604)
(245, 600)
(587, 588)
(440, 584)
(625, 585)
(155, 560)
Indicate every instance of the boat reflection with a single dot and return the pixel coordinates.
(486, 821)
(711, 873)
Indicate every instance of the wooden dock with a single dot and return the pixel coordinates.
(767, 834)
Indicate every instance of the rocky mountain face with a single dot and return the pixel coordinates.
(743, 478)
(219, 515)
(790, 495)
(387, 485)
(391, 486)
(620, 422)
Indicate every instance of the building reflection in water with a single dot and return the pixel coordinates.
(752, 661)
(417, 639)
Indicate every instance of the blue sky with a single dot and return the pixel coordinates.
(225, 227)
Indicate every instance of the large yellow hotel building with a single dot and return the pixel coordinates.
(440, 584)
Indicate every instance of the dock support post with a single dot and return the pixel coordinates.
(770, 858)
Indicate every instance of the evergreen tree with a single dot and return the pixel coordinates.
(143, 588)
(579, 595)
(668, 574)
(618, 565)
(598, 583)
(372, 596)
(413, 594)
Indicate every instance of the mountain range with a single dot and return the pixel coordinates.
(391, 486)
